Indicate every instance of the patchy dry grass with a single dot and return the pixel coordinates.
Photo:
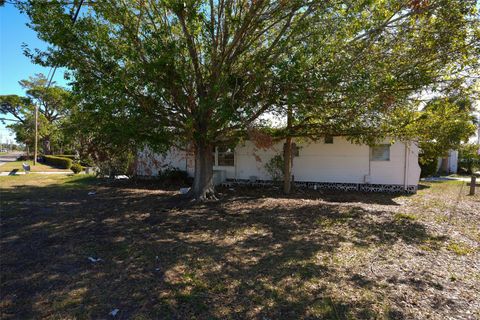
(40, 167)
(53, 181)
(254, 254)
(405, 216)
(461, 248)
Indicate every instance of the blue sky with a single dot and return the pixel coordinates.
(14, 66)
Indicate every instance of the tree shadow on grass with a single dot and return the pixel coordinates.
(232, 259)
(335, 196)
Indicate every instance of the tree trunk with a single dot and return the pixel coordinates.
(287, 154)
(203, 188)
(46, 146)
(287, 157)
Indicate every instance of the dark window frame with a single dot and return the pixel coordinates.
(225, 156)
(374, 156)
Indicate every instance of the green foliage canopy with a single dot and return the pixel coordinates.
(53, 103)
(176, 72)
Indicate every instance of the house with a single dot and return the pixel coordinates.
(333, 163)
(449, 163)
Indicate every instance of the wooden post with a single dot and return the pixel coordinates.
(472, 185)
(36, 136)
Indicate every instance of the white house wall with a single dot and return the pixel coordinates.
(392, 171)
(150, 163)
(340, 162)
(250, 160)
(453, 161)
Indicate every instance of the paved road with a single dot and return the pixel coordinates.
(447, 178)
(12, 156)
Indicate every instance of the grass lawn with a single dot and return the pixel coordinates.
(40, 167)
(254, 254)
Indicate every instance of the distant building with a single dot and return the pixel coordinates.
(448, 164)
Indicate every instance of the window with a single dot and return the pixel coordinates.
(328, 139)
(226, 156)
(380, 152)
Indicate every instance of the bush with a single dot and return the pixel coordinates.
(172, 175)
(87, 162)
(468, 166)
(276, 167)
(25, 158)
(68, 156)
(76, 168)
(469, 158)
(428, 167)
(59, 162)
(116, 164)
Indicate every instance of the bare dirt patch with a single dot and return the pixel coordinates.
(253, 254)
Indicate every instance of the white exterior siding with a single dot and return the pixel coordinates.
(400, 169)
(250, 161)
(150, 163)
(448, 164)
(453, 161)
(340, 162)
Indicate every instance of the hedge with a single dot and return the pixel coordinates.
(62, 163)
(24, 158)
(76, 168)
(68, 156)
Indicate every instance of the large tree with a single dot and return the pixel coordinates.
(443, 125)
(201, 72)
(370, 85)
(53, 103)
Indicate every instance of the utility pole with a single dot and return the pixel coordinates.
(36, 136)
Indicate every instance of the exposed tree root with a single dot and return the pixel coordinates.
(208, 194)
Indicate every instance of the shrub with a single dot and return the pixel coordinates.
(469, 158)
(68, 156)
(59, 162)
(25, 158)
(172, 175)
(428, 166)
(276, 167)
(116, 164)
(76, 168)
(87, 162)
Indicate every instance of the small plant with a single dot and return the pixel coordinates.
(276, 167)
(405, 217)
(76, 168)
(460, 248)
